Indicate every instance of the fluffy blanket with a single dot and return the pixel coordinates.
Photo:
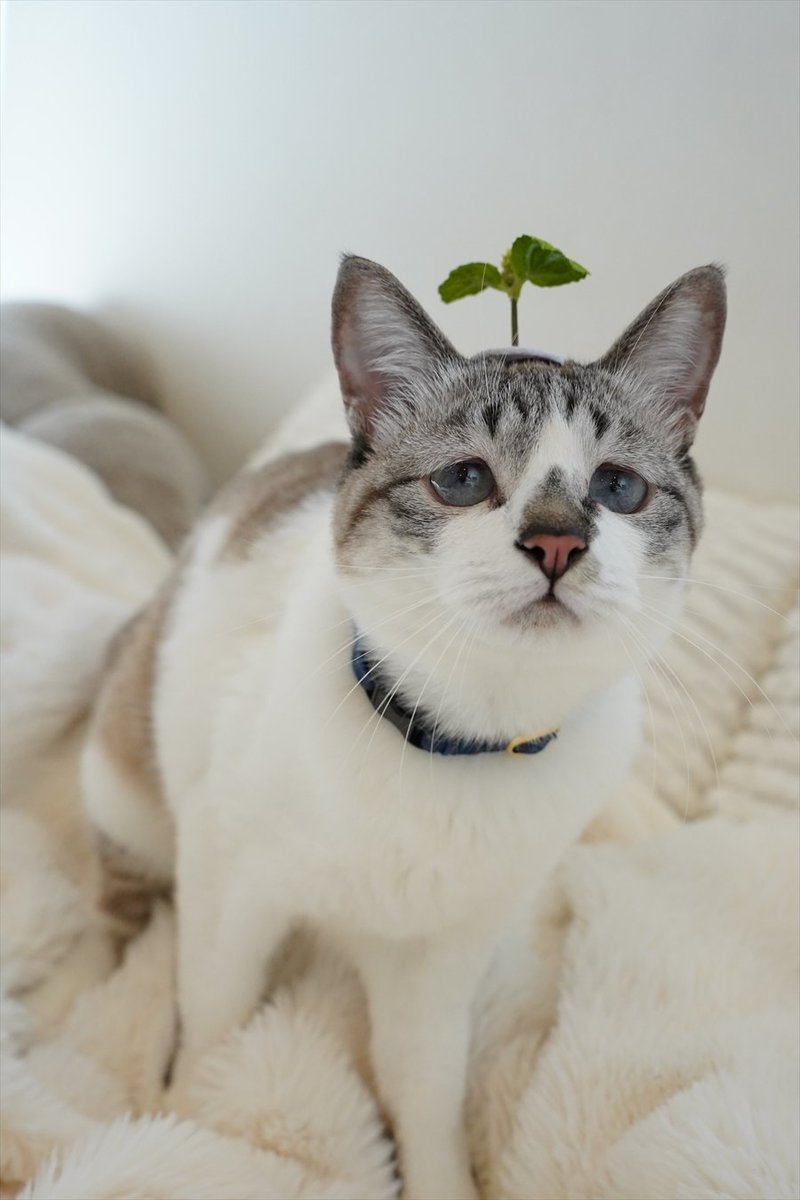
(638, 1038)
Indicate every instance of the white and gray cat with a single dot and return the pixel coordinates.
(389, 684)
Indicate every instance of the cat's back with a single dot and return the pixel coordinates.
(172, 669)
(237, 584)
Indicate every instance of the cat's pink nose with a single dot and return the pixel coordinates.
(555, 553)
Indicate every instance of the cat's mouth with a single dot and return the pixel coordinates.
(548, 610)
(554, 604)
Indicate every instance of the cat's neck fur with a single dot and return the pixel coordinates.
(471, 682)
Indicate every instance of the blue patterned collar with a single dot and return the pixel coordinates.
(414, 726)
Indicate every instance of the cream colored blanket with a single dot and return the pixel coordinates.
(638, 1040)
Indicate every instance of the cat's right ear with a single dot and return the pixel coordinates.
(384, 344)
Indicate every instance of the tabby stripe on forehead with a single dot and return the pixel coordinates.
(681, 499)
(491, 415)
(459, 418)
(600, 421)
(522, 408)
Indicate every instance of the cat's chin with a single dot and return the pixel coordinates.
(549, 612)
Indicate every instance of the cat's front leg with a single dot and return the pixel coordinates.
(228, 930)
(420, 994)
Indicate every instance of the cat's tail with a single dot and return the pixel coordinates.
(68, 380)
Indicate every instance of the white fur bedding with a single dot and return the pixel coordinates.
(643, 1043)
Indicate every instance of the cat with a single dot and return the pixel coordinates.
(390, 683)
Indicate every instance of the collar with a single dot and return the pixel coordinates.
(415, 727)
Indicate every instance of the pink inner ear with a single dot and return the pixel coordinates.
(351, 376)
(673, 346)
(361, 387)
(709, 337)
(383, 341)
(683, 354)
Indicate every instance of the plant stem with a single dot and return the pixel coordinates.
(514, 327)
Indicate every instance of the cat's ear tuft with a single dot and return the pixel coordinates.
(672, 348)
(383, 343)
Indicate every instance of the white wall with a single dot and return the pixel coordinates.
(194, 169)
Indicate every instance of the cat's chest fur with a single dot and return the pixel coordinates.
(260, 723)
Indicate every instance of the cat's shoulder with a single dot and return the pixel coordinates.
(250, 506)
(260, 497)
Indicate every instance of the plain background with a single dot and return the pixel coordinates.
(193, 168)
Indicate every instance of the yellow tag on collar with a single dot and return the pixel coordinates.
(531, 743)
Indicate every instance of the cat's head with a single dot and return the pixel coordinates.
(526, 501)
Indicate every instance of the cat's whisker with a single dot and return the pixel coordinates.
(350, 642)
(470, 633)
(674, 628)
(407, 671)
(668, 688)
(431, 673)
(437, 616)
(368, 631)
(271, 616)
(379, 712)
(278, 613)
(671, 677)
(344, 647)
(651, 654)
(348, 620)
(673, 674)
(394, 574)
(366, 572)
(423, 570)
(646, 695)
(677, 625)
(724, 588)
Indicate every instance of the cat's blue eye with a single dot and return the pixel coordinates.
(463, 483)
(618, 489)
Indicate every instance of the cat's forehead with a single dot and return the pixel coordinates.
(538, 388)
(532, 388)
(497, 408)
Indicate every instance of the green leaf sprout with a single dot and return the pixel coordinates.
(530, 260)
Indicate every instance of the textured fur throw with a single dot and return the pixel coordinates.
(643, 1045)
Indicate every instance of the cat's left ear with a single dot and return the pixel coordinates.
(672, 348)
(384, 343)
